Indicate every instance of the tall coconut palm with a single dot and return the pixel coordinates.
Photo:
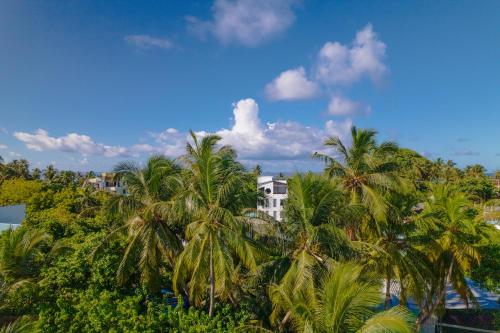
(366, 171)
(344, 301)
(150, 220)
(449, 235)
(393, 253)
(215, 196)
(315, 211)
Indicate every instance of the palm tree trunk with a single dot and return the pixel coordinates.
(440, 299)
(351, 232)
(285, 319)
(387, 291)
(446, 281)
(212, 280)
(353, 226)
(402, 293)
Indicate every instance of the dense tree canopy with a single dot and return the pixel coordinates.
(185, 250)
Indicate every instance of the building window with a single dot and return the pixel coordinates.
(274, 215)
(282, 202)
(279, 188)
(274, 202)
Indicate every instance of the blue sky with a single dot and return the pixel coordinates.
(84, 84)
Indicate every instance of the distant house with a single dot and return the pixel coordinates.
(12, 216)
(275, 192)
(107, 182)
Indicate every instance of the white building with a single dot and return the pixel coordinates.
(276, 193)
(107, 182)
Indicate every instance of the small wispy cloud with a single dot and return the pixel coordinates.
(427, 154)
(341, 106)
(145, 42)
(466, 152)
(14, 154)
(3, 146)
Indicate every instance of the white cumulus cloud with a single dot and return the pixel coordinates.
(246, 22)
(278, 140)
(341, 106)
(336, 67)
(256, 142)
(292, 85)
(148, 42)
(40, 140)
(287, 142)
(343, 64)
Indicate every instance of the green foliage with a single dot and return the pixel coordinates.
(366, 172)
(150, 219)
(17, 191)
(344, 301)
(413, 166)
(14, 169)
(92, 261)
(478, 189)
(487, 273)
(214, 200)
(106, 311)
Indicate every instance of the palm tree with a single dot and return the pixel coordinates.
(36, 174)
(257, 171)
(344, 301)
(366, 171)
(90, 201)
(449, 235)
(150, 218)
(314, 211)
(67, 178)
(16, 169)
(442, 172)
(393, 253)
(50, 173)
(215, 196)
(19, 250)
(475, 171)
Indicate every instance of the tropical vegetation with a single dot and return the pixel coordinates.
(186, 250)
